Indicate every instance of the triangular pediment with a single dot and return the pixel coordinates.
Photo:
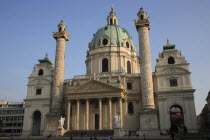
(94, 86)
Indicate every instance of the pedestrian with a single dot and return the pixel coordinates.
(110, 138)
(94, 138)
(71, 137)
(185, 129)
(129, 133)
(137, 133)
(144, 136)
(49, 136)
(172, 135)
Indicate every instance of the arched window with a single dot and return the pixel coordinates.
(130, 108)
(177, 117)
(105, 65)
(60, 29)
(41, 72)
(111, 21)
(115, 23)
(171, 60)
(127, 44)
(128, 67)
(142, 17)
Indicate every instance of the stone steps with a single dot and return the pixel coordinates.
(89, 133)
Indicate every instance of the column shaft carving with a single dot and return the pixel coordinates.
(57, 93)
(146, 69)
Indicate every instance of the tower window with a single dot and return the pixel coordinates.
(127, 44)
(128, 67)
(105, 65)
(171, 60)
(142, 17)
(105, 41)
(173, 82)
(115, 23)
(41, 72)
(38, 91)
(130, 108)
(111, 21)
(60, 29)
(129, 85)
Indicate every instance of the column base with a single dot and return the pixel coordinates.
(60, 132)
(149, 122)
(51, 125)
(118, 132)
(25, 133)
(149, 132)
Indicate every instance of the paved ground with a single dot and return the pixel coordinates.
(87, 138)
(178, 137)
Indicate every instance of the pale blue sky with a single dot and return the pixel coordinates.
(26, 35)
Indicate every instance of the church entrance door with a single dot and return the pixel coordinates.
(177, 118)
(96, 121)
(36, 123)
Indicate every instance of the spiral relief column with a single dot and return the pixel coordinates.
(148, 113)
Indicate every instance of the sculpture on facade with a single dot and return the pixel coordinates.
(61, 123)
(116, 121)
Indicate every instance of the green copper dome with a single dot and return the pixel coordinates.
(117, 35)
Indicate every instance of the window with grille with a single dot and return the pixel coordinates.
(38, 91)
(173, 82)
(129, 85)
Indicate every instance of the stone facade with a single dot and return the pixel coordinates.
(38, 97)
(116, 84)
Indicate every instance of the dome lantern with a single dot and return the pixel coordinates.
(112, 18)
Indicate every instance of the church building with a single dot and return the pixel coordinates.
(117, 83)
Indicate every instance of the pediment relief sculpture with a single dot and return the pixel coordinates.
(94, 86)
(173, 71)
(39, 81)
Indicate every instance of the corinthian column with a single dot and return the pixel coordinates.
(87, 114)
(121, 115)
(100, 114)
(78, 113)
(68, 115)
(110, 113)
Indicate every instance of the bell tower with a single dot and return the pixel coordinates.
(148, 113)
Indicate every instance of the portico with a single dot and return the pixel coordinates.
(95, 110)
